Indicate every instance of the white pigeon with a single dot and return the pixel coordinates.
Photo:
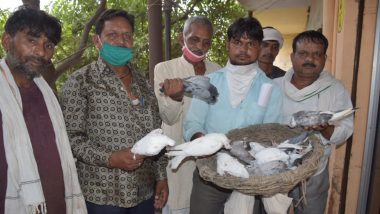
(202, 146)
(255, 148)
(271, 154)
(225, 163)
(311, 118)
(152, 143)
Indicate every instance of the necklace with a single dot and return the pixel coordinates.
(126, 80)
(123, 75)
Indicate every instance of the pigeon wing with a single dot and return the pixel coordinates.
(309, 118)
(201, 88)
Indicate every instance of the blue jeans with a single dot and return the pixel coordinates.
(145, 207)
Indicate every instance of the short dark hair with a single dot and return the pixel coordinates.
(110, 14)
(248, 26)
(35, 22)
(311, 36)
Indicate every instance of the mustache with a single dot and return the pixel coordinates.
(308, 64)
(243, 55)
(268, 55)
(198, 52)
(39, 59)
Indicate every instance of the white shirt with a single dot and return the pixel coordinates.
(172, 114)
(333, 98)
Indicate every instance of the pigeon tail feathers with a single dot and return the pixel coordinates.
(342, 114)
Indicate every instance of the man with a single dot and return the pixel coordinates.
(108, 106)
(196, 41)
(37, 169)
(270, 46)
(308, 86)
(240, 85)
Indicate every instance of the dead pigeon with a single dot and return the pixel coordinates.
(267, 168)
(314, 118)
(202, 146)
(270, 154)
(152, 143)
(240, 149)
(226, 164)
(200, 87)
(299, 139)
(255, 148)
(278, 158)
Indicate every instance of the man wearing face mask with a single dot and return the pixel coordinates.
(196, 41)
(108, 106)
(246, 97)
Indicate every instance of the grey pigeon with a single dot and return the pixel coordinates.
(280, 158)
(267, 168)
(299, 138)
(240, 149)
(201, 88)
(313, 118)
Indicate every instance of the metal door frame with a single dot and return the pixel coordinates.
(371, 122)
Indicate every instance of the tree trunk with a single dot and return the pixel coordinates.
(155, 35)
(54, 73)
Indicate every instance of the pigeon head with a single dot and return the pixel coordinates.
(221, 138)
(226, 144)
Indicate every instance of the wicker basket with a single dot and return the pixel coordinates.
(264, 185)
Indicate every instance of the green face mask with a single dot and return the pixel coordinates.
(116, 55)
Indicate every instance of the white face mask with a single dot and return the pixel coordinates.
(239, 79)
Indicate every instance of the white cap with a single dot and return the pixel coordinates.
(273, 34)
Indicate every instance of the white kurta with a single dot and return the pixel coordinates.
(333, 98)
(172, 114)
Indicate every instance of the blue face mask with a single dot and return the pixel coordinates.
(116, 55)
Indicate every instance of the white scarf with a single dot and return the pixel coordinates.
(324, 81)
(24, 191)
(239, 79)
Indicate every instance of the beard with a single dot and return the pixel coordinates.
(26, 66)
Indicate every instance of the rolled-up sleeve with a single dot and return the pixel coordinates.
(195, 118)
